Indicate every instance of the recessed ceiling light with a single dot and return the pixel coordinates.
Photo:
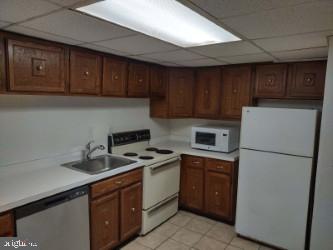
(166, 20)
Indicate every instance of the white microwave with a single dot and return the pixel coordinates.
(215, 138)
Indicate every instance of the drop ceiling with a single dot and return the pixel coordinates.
(284, 30)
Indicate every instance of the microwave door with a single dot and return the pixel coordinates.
(205, 139)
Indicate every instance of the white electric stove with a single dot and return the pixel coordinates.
(161, 175)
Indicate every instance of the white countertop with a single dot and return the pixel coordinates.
(27, 182)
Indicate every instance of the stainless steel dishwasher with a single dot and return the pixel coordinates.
(57, 222)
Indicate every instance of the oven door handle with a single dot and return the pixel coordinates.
(164, 163)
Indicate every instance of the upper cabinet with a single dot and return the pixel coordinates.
(180, 93)
(138, 80)
(307, 79)
(36, 66)
(158, 81)
(207, 92)
(271, 80)
(114, 77)
(85, 72)
(236, 91)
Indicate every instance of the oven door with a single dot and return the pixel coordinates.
(160, 181)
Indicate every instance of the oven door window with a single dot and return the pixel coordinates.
(205, 138)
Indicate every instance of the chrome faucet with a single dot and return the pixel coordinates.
(90, 150)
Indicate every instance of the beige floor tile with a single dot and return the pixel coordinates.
(222, 232)
(189, 214)
(244, 244)
(167, 229)
(198, 225)
(209, 244)
(186, 237)
(205, 219)
(230, 247)
(135, 246)
(180, 219)
(151, 240)
(173, 245)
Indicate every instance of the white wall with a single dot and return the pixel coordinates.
(322, 223)
(34, 127)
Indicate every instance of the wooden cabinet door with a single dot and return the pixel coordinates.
(85, 73)
(138, 80)
(104, 216)
(158, 81)
(218, 194)
(131, 210)
(236, 91)
(271, 80)
(7, 225)
(36, 67)
(194, 188)
(181, 83)
(114, 77)
(207, 93)
(308, 79)
(2, 65)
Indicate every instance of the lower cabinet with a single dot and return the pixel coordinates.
(7, 228)
(115, 209)
(208, 186)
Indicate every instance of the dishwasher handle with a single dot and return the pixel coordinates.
(49, 202)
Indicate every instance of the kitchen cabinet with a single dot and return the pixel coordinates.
(115, 209)
(105, 221)
(207, 92)
(209, 186)
(131, 210)
(158, 81)
(7, 227)
(307, 80)
(114, 81)
(36, 66)
(236, 91)
(271, 80)
(85, 72)
(180, 92)
(138, 80)
(159, 107)
(2, 65)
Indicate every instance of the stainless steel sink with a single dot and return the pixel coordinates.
(99, 164)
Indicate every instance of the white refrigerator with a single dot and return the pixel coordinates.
(276, 159)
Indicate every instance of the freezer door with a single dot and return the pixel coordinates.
(288, 131)
(273, 197)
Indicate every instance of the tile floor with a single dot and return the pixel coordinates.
(187, 231)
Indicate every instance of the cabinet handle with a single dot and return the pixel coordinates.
(106, 222)
(116, 77)
(234, 91)
(140, 80)
(133, 209)
(220, 167)
(206, 92)
(193, 187)
(216, 193)
(39, 67)
(195, 162)
(86, 73)
(119, 182)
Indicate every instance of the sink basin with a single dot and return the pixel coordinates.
(99, 164)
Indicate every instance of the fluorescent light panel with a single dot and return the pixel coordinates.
(166, 20)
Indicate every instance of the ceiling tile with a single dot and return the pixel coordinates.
(309, 40)
(258, 57)
(39, 34)
(303, 54)
(221, 9)
(201, 62)
(3, 24)
(309, 17)
(174, 56)
(138, 44)
(227, 49)
(77, 26)
(102, 49)
(19, 10)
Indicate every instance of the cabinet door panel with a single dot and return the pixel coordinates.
(181, 83)
(85, 73)
(271, 80)
(2, 65)
(131, 210)
(105, 221)
(236, 91)
(36, 67)
(138, 80)
(114, 77)
(218, 194)
(7, 225)
(207, 93)
(158, 81)
(194, 188)
(308, 79)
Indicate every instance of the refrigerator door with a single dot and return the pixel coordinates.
(273, 197)
(287, 131)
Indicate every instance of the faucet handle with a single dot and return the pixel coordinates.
(89, 144)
